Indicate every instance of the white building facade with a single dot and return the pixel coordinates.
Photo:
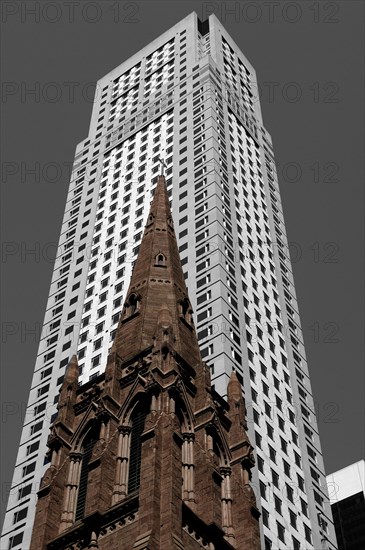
(190, 99)
(346, 482)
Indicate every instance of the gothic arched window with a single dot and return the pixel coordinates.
(131, 305)
(87, 448)
(186, 310)
(160, 260)
(137, 423)
(151, 219)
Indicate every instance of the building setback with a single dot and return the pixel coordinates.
(189, 98)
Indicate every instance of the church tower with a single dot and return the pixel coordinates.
(147, 455)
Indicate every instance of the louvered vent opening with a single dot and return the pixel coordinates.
(87, 450)
(138, 420)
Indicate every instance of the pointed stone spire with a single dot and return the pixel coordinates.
(68, 392)
(157, 293)
(237, 412)
(234, 390)
(158, 251)
(240, 445)
(72, 371)
(111, 378)
(71, 379)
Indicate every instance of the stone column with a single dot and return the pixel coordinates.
(188, 467)
(227, 523)
(69, 503)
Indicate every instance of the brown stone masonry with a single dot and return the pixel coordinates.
(148, 456)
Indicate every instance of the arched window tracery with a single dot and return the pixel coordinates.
(77, 480)
(221, 464)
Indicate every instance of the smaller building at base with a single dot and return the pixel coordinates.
(346, 489)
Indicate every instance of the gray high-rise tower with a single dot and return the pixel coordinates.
(187, 100)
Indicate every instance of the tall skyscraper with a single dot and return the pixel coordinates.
(187, 100)
(347, 496)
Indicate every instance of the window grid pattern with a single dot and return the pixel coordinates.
(125, 192)
(159, 57)
(162, 76)
(221, 338)
(265, 332)
(127, 80)
(124, 103)
(238, 79)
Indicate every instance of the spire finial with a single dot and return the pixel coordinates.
(163, 165)
(234, 389)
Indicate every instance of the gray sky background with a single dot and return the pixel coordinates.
(309, 61)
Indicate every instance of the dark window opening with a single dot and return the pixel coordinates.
(186, 310)
(131, 306)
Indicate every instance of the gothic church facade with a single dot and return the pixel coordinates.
(147, 455)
